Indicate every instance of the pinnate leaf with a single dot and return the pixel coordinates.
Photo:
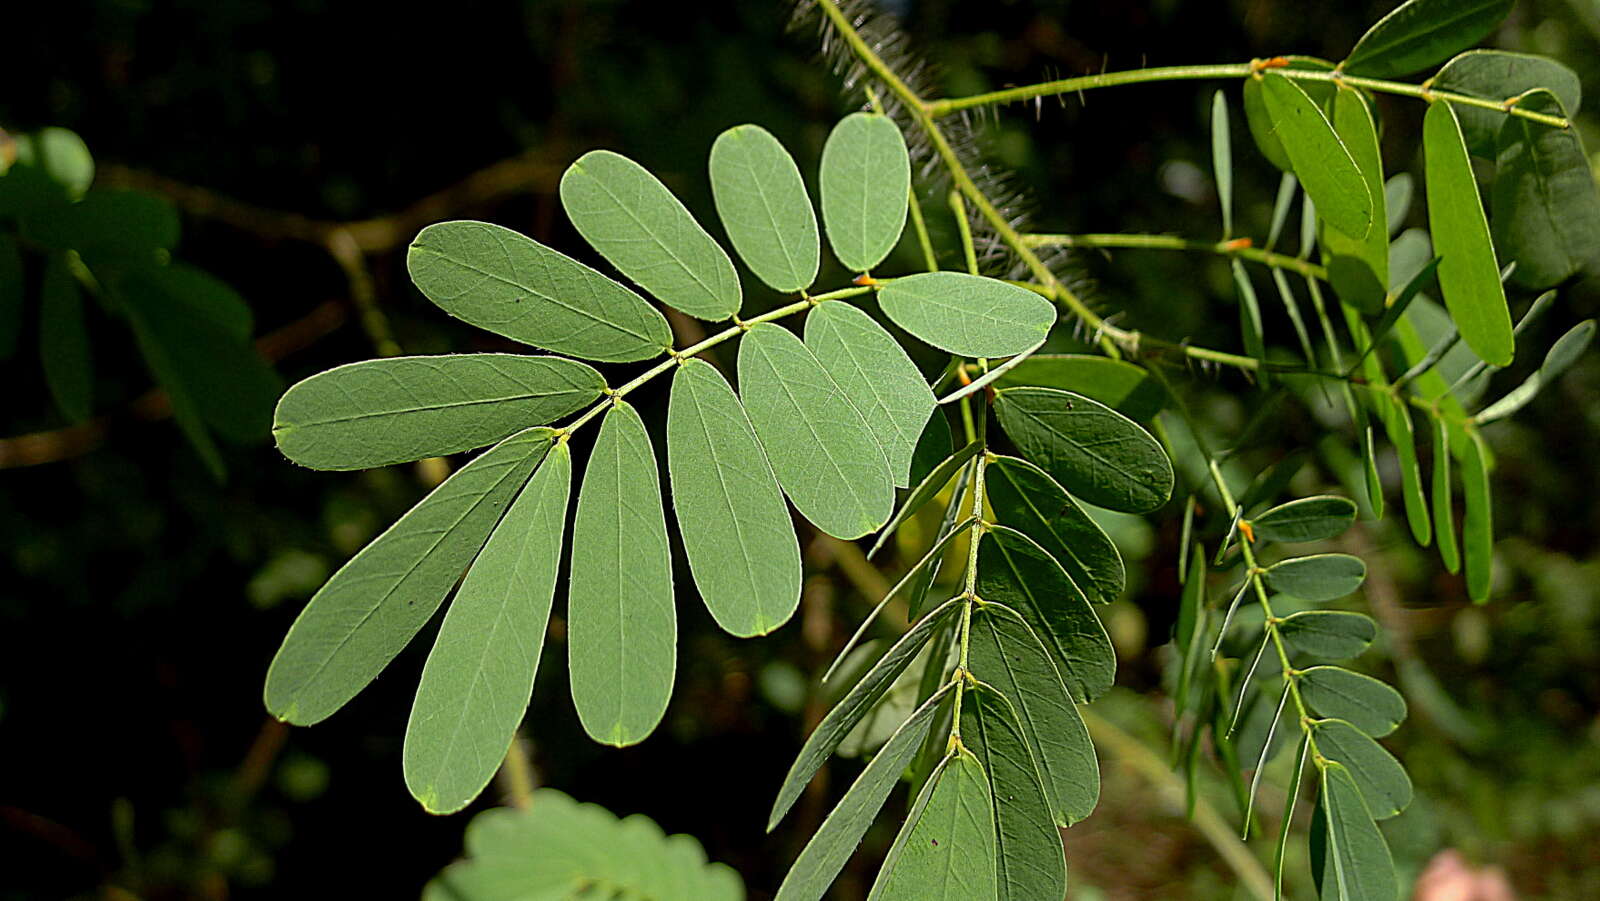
(509, 284)
(372, 607)
(622, 629)
(1026, 498)
(736, 529)
(378, 412)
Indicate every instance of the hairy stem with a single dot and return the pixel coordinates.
(1236, 248)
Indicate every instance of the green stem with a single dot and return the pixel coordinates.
(1173, 242)
(1230, 70)
(959, 209)
(920, 226)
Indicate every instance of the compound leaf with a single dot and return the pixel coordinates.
(876, 376)
(372, 607)
(824, 453)
(509, 284)
(736, 529)
(478, 679)
(1469, 276)
(1025, 497)
(622, 630)
(1419, 33)
(1095, 452)
(400, 409)
(1360, 700)
(865, 180)
(631, 218)
(1321, 160)
(968, 315)
(1016, 572)
(1318, 577)
(764, 207)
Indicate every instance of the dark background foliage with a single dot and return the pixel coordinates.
(141, 600)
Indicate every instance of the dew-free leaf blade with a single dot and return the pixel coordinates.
(1396, 418)
(509, 284)
(946, 849)
(622, 628)
(1127, 388)
(1328, 634)
(1420, 33)
(968, 315)
(1469, 275)
(1444, 512)
(1349, 858)
(1477, 525)
(869, 365)
(479, 676)
(1006, 653)
(824, 453)
(764, 207)
(865, 180)
(931, 484)
(1318, 577)
(1030, 861)
(1500, 75)
(1306, 519)
(836, 839)
(400, 409)
(1321, 160)
(1358, 267)
(11, 295)
(1382, 780)
(1566, 351)
(1016, 572)
(1359, 700)
(1026, 498)
(372, 607)
(736, 529)
(854, 705)
(1222, 159)
(1095, 452)
(64, 340)
(1546, 207)
(631, 218)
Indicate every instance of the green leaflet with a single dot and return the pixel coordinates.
(968, 315)
(1469, 276)
(1027, 499)
(1444, 514)
(1566, 351)
(1382, 780)
(1006, 653)
(108, 227)
(631, 218)
(946, 849)
(1420, 33)
(933, 483)
(1306, 519)
(1499, 75)
(1319, 577)
(11, 295)
(1396, 418)
(564, 849)
(1328, 634)
(1222, 159)
(61, 155)
(479, 676)
(824, 453)
(869, 365)
(509, 284)
(1477, 526)
(865, 180)
(1358, 267)
(1398, 192)
(1260, 120)
(622, 628)
(1125, 387)
(1546, 207)
(64, 341)
(1190, 629)
(934, 446)
(765, 209)
(1362, 701)
(400, 409)
(1349, 858)
(1250, 328)
(854, 705)
(736, 529)
(363, 616)
(1095, 452)
(1291, 795)
(836, 839)
(1030, 862)
(1321, 160)
(1016, 572)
